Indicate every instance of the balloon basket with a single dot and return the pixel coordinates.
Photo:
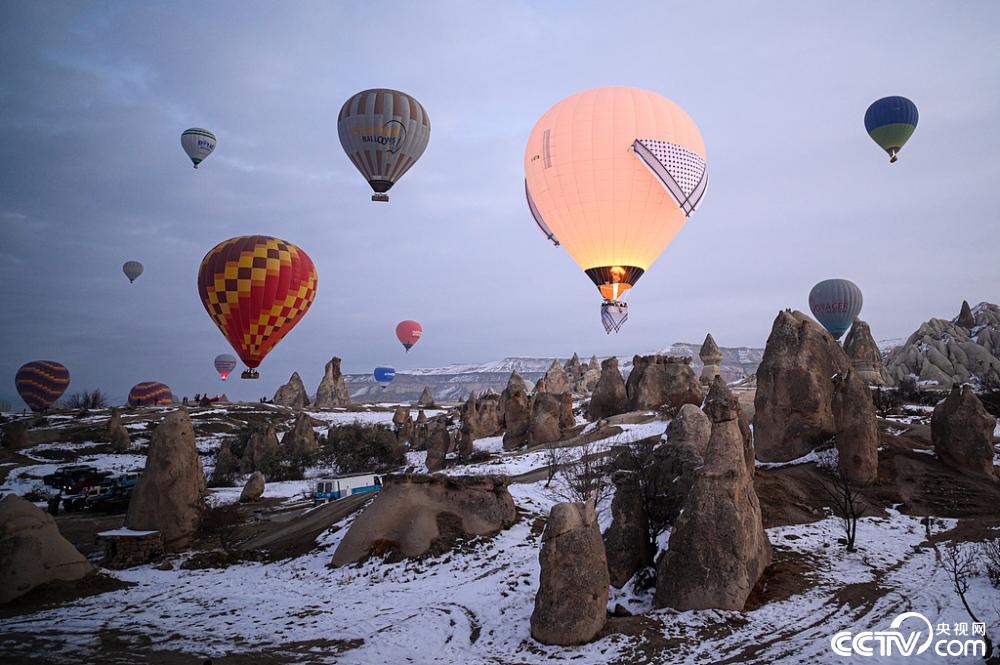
(250, 374)
(384, 198)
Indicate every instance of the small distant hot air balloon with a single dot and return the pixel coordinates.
(198, 143)
(256, 288)
(383, 132)
(408, 333)
(224, 364)
(40, 383)
(150, 393)
(132, 270)
(612, 174)
(384, 376)
(836, 303)
(890, 122)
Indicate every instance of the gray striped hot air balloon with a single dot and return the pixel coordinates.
(132, 270)
(383, 132)
(836, 303)
(198, 143)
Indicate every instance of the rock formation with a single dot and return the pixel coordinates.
(690, 427)
(515, 410)
(439, 444)
(426, 398)
(168, 497)
(261, 450)
(301, 441)
(480, 418)
(574, 370)
(418, 514)
(32, 551)
(590, 374)
(120, 440)
(551, 415)
(857, 428)
(254, 489)
(965, 317)
(15, 434)
(571, 603)
(662, 381)
(718, 548)
(866, 358)
(332, 390)
(226, 466)
(950, 352)
(626, 542)
(556, 380)
(609, 397)
(711, 356)
(962, 433)
(794, 401)
(292, 394)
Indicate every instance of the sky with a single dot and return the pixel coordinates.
(94, 96)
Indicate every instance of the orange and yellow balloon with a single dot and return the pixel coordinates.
(612, 174)
(256, 288)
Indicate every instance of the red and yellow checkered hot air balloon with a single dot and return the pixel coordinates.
(256, 288)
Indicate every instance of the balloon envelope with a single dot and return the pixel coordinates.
(224, 364)
(132, 270)
(150, 393)
(383, 132)
(836, 303)
(385, 375)
(612, 174)
(408, 333)
(198, 143)
(256, 289)
(890, 122)
(41, 382)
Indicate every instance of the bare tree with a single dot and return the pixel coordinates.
(87, 399)
(960, 565)
(990, 552)
(849, 503)
(582, 474)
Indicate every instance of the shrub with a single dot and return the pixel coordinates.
(354, 448)
(86, 399)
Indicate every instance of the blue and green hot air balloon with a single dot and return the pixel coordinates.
(890, 122)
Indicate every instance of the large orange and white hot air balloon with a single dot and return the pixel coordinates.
(612, 174)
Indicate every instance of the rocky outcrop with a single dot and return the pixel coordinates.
(439, 444)
(15, 434)
(857, 428)
(590, 374)
(515, 412)
(609, 397)
(254, 489)
(168, 497)
(480, 418)
(718, 548)
(574, 370)
(292, 394)
(415, 515)
(962, 433)
(32, 551)
(949, 352)
(301, 441)
(556, 381)
(226, 467)
(866, 358)
(965, 318)
(711, 356)
(261, 450)
(571, 603)
(794, 401)
(332, 390)
(426, 398)
(626, 542)
(551, 416)
(662, 382)
(120, 440)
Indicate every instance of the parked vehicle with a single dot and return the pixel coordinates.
(58, 479)
(338, 487)
(114, 502)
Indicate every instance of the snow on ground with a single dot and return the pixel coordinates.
(287, 489)
(366, 417)
(28, 478)
(826, 459)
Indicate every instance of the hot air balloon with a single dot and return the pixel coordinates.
(256, 288)
(836, 303)
(132, 270)
(150, 393)
(384, 376)
(612, 174)
(408, 333)
(224, 364)
(198, 143)
(890, 122)
(383, 132)
(40, 383)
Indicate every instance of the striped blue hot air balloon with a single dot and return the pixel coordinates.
(836, 303)
(384, 376)
(150, 393)
(890, 122)
(41, 382)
